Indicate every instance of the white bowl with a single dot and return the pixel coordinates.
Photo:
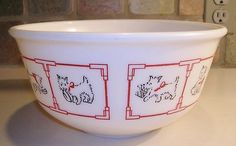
(118, 77)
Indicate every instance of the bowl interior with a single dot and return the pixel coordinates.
(119, 26)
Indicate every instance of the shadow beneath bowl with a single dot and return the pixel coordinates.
(30, 125)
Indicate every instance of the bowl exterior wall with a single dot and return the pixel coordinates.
(119, 87)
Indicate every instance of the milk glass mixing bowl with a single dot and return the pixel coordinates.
(117, 77)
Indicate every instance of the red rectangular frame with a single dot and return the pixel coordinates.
(131, 73)
(46, 64)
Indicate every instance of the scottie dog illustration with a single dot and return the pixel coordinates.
(157, 88)
(37, 84)
(197, 87)
(76, 93)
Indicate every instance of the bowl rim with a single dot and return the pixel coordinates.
(215, 31)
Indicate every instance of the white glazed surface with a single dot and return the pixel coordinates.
(112, 62)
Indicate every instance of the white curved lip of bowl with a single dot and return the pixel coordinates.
(118, 29)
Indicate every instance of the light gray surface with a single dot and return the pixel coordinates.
(212, 122)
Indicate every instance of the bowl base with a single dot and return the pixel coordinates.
(148, 133)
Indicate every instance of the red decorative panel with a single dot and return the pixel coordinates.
(71, 89)
(160, 89)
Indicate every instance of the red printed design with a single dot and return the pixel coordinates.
(83, 90)
(75, 94)
(158, 86)
(201, 78)
(37, 83)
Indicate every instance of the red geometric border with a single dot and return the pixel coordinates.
(131, 73)
(46, 64)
